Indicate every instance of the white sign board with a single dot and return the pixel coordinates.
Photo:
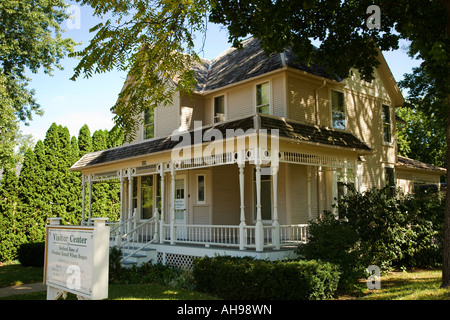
(179, 204)
(76, 259)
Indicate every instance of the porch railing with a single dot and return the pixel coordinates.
(230, 236)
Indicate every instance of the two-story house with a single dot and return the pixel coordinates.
(240, 167)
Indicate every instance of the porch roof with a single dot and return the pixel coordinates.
(296, 131)
(407, 163)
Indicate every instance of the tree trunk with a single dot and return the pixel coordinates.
(446, 245)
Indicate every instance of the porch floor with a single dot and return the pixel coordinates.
(182, 255)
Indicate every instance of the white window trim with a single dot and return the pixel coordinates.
(225, 107)
(269, 81)
(144, 125)
(139, 196)
(204, 187)
(391, 166)
(386, 143)
(331, 110)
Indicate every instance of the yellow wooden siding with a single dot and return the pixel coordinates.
(225, 190)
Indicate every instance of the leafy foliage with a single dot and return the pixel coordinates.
(30, 40)
(378, 228)
(46, 188)
(154, 42)
(246, 278)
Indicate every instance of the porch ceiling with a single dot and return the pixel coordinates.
(296, 131)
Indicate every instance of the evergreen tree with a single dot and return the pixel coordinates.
(84, 140)
(11, 229)
(63, 186)
(105, 195)
(100, 140)
(33, 206)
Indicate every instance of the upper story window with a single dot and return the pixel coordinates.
(337, 110)
(386, 118)
(149, 123)
(263, 98)
(219, 109)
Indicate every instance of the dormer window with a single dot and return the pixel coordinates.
(337, 110)
(263, 98)
(149, 123)
(219, 109)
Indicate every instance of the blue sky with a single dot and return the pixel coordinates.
(88, 101)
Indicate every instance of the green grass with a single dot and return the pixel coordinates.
(411, 285)
(15, 274)
(150, 291)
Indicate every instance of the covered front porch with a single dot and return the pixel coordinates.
(252, 193)
(177, 210)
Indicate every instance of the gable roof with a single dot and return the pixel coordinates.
(298, 132)
(235, 65)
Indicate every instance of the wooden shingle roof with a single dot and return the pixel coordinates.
(407, 163)
(235, 65)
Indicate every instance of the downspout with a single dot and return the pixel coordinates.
(318, 172)
(316, 102)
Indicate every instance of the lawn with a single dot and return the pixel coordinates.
(411, 285)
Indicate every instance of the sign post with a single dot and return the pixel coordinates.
(77, 260)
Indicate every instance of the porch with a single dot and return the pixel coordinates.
(177, 245)
(251, 193)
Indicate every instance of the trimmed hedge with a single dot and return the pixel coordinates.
(31, 254)
(250, 279)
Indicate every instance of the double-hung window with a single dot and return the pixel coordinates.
(149, 123)
(386, 118)
(389, 178)
(263, 98)
(337, 110)
(219, 109)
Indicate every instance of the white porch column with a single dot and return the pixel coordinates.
(308, 191)
(275, 223)
(172, 201)
(259, 231)
(121, 195)
(130, 194)
(161, 222)
(242, 225)
(83, 196)
(90, 197)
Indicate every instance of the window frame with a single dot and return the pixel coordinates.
(146, 125)
(269, 103)
(386, 124)
(387, 183)
(197, 188)
(224, 108)
(332, 111)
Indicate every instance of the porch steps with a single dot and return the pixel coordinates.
(142, 256)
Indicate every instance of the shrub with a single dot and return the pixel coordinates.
(31, 254)
(378, 228)
(335, 241)
(250, 279)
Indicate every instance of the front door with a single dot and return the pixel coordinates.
(180, 206)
